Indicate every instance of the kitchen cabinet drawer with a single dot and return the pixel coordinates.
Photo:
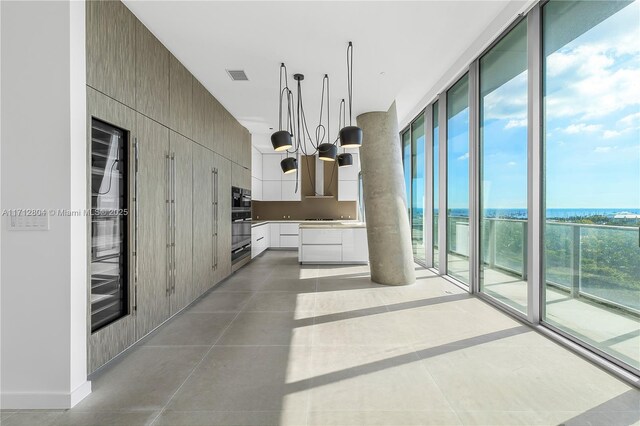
(289, 229)
(321, 253)
(288, 241)
(321, 236)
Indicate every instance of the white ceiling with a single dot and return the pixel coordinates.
(401, 49)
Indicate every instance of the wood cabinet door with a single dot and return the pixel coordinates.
(180, 98)
(153, 233)
(203, 217)
(152, 75)
(183, 291)
(109, 341)
(218, 127)
(237, 175)
(202, 115)
(111, 30)
(224, 219)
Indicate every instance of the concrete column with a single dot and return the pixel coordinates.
(388, 229)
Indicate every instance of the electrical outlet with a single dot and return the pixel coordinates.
(29, 223)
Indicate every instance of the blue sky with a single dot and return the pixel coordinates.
(592, 133)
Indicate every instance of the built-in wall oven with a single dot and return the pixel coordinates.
(240, 223)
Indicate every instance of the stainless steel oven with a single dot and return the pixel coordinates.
(240, 223)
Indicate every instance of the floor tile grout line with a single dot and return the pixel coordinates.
(424, 367)
(410, 345)
(164, 408)
(426, 370)
(311, 351)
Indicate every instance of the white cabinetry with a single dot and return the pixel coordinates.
(289, 235)
(256, 163)
(276, 186)
(256, 174)
(347, 190)
(289, 190)
(274, 231)
(354, 245)
(260, 236)
(271, 190)
(271, 167)
(339, 244)
(348, 180)
(256, 189)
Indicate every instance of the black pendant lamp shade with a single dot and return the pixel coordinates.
(327, 152)
(351, 137)
(289, 165)
(345, 159)
(281, 140)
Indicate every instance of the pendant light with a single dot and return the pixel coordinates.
(345, 160)
(327, 152)
(293, 135)
(289, 165)
(281, 140)
(350, 136)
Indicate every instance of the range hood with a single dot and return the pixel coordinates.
(317, 179)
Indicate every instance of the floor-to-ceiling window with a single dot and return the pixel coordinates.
(406, 163)
(503, 169)
(458, 180)
(435, 182)
(591, 64)
(417, 187)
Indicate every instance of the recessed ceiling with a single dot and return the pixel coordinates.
(401, 49)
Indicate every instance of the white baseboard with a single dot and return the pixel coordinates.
(44, 401)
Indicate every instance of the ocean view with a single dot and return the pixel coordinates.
(550, 213)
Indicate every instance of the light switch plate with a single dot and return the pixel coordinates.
(29, 223)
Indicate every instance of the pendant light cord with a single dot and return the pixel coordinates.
(350, 79)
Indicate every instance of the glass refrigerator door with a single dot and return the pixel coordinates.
(108, 224)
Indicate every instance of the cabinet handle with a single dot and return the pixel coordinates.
(217, 217)
(173, 205)
(214, 216)
(135, 212)
(168, 235)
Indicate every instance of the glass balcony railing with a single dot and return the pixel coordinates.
(599, 262)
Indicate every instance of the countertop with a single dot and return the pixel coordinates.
(331, 225)
(308, 222)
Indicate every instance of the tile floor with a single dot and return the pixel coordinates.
(280, 343)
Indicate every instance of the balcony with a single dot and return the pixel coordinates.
(592, 277)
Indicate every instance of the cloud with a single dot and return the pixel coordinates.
(508, 101)
(631, 120)
(512, 164)
(464, 156)
(603, 149)
(516, 123)
(595, 79)
(608, 134)
(573, 129)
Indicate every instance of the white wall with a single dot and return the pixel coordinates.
(43, 165)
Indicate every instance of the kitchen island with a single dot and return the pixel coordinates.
(333, 243)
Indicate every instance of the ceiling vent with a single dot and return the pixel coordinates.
(238, 75)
